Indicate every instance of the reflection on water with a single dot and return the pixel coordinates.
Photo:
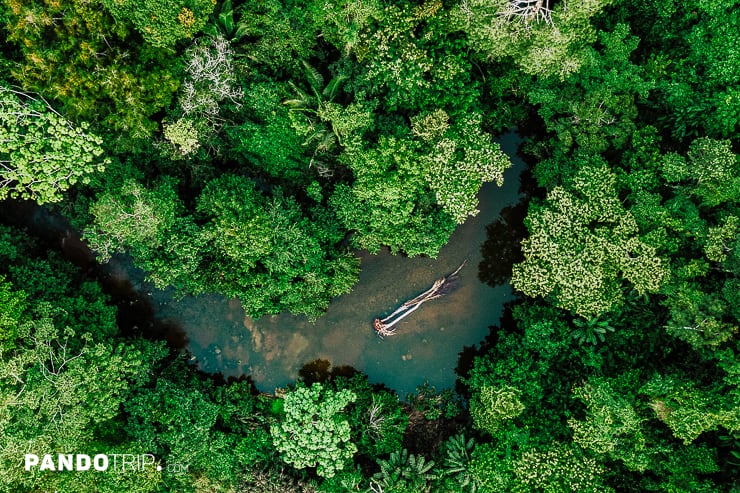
(273, 349)
(501, 249)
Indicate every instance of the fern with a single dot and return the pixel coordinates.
(315, 79)
(332, 88)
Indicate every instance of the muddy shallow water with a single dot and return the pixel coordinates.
(271, 350)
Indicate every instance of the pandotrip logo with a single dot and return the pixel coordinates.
(117, 463)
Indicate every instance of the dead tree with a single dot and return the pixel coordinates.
(528, 11)
(386, 326)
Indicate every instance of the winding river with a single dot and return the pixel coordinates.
(218, 337)
(221, 339)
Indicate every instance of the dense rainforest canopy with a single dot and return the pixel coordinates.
(249, 148)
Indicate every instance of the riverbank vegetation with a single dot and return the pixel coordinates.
(249, 148)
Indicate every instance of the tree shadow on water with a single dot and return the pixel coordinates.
(502, 248)
(466, 357)
(321, 371)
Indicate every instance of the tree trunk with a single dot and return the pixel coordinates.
(385, 327)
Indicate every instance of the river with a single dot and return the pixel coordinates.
(221, 339)
(217, 336)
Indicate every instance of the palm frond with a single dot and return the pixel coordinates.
(332, 88)
(302, 99)
(315, 79)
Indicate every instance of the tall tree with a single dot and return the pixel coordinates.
(42, 154)
(314, 432)
(582, 241)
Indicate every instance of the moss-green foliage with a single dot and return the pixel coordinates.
(488, 471)
(162, 23)
(279, 35)
(693, 55)
(712, 170)
(390, 204)
(183, 136)
(457, 465)
(267, 253)
(59, 389)
(75, 52)
(240, 242)
(343, 22)
(12, 305)
(78, 305)
(612, 427)
(132, 217)
(595, 108)
(689, 411)
(63, 372)
(419, 167)
(376, 417)
(265, 140)
(411, 189)
(180, 421)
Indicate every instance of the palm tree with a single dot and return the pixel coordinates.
(457, 462)
(590, 331)
(224, 22)
(313, 103)
(404, 471)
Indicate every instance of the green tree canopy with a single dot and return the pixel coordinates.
(491, 407)
(42, 154)
(162, 22)
(314, 432)
(583, 243)
(545, 38)
(75, 52)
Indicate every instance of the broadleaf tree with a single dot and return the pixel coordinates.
(583, 244)
(314, 432)
(42, 154)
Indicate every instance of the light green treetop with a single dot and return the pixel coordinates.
(612, 425)
(314, 432)
(12, 305)
(711, 168)
(57, 390)
(689, 411)
(492, 406)
(543, 39)
(41, 153)
(459, 161)
(556, 469)
(133, 217)
(411, 190)
(582, 241)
